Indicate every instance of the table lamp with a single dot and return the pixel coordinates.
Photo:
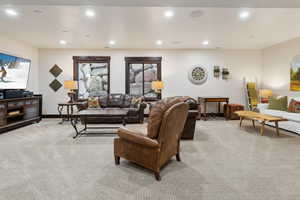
(72, 86)
(265, 94)
(157, 86)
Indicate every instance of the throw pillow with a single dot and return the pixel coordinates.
(93, 102)
(135, 101)
(294, 106)
(279, 103)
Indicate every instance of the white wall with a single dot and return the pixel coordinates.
(17, 48)
(276, 67)
(175, 65)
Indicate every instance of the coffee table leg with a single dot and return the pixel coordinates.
(241, 120)
(277, 129)
(253, 123)
(262, 128)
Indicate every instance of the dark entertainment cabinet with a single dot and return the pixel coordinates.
(19, 112)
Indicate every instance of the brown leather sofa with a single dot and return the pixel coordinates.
(117, 100)
(190, 124)
(162, 141)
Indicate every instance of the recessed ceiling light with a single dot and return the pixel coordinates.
(89, 13)
(196, 13)
(205, 42)
(244, 14)
(11, 12)
(62, 42)
(159, 42)
(112, 42)
(38, 11)
(169, 13)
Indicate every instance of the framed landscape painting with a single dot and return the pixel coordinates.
(295, 74)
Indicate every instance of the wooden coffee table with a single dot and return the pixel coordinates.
(85, 115)
(261, 118)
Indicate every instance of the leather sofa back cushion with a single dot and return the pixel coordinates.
(103, 101)
(279, 103)
(157, 113)
(115, 100)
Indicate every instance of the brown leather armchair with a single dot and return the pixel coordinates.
(162, 141)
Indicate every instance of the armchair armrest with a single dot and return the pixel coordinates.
(137, 138)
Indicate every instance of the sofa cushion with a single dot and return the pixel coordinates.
(127, 100)
(294, 106)
(103, 100)
(93, 102)
(278, 103)
(286, 115)
(156, 115)
(115, 100)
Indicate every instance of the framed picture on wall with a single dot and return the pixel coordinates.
(92, 74)
(295, 74)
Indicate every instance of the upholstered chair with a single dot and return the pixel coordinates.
(162, 140)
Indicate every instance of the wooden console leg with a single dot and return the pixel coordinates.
(157, 176)
(117, 160)
(178, 157)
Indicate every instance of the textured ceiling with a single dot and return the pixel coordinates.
(141, 27)
(163, 3)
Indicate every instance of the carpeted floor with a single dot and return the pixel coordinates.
(224, 162)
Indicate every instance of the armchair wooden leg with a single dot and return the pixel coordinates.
(117, 160)
(178, 157)
(157, 176)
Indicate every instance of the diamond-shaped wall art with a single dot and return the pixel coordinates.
(55, 70)
(55, 85)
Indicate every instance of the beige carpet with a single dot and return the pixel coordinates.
(43, 162)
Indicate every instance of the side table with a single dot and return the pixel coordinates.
(70, 110)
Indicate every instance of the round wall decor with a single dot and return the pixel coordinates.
(198, 74)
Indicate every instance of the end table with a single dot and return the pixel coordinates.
(70, 110)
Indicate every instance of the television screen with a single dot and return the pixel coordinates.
(14, 72)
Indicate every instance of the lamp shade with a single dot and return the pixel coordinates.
(157, 85)
(70, 84)
(265, 93)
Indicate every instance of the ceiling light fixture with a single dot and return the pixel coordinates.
(244, 15)
(112, 42)
(205, 42)
(89, 13)
(169, 13)
(11, 12)
(62, 42)
(159, 42)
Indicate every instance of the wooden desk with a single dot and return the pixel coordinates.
(204, 100)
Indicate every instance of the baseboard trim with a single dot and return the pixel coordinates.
(53, 116)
